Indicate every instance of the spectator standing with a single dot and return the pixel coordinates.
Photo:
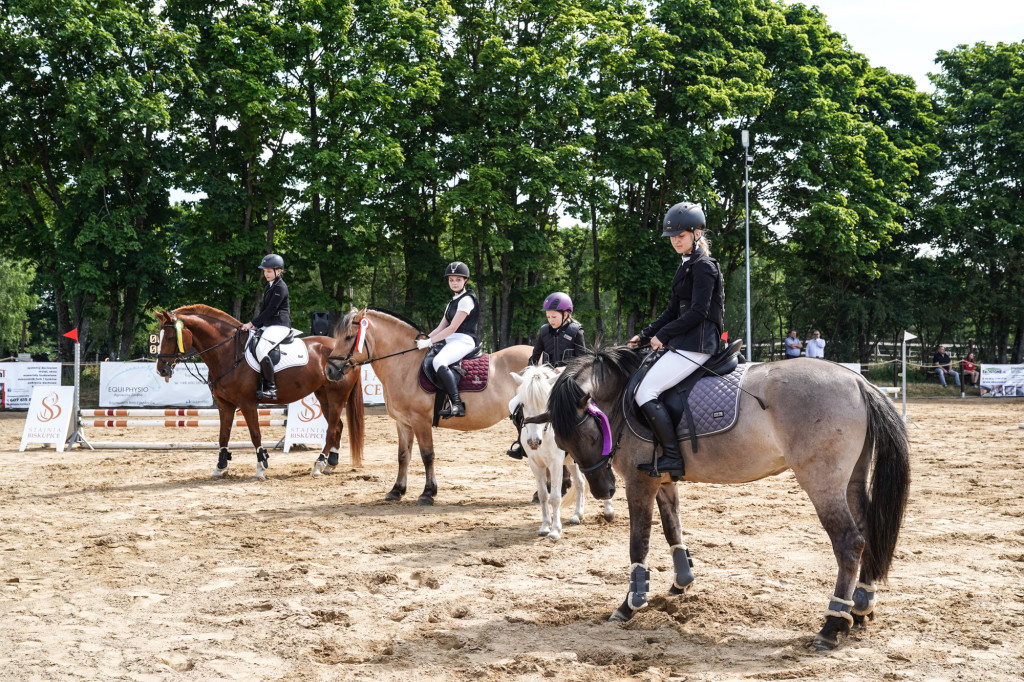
(944, 366)
(816, 346)
(793, 345)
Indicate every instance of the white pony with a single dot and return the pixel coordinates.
(545, 458)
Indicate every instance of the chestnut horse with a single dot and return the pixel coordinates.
(389, 345)
(216, 338)
(842, 438)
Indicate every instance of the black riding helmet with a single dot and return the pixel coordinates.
(682, 217)
(272, 260)
(457, 269)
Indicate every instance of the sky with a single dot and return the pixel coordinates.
(904, 35)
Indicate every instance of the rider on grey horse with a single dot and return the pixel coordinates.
(690, 327)
(274, 319)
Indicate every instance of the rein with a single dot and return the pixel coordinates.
(346, 360)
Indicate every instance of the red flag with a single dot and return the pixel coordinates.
(725, 335)
(73, 334)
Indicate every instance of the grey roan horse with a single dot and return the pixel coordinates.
(841, 437)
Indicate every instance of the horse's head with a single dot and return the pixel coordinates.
(351, 344)
(534, 389)
(175, 342)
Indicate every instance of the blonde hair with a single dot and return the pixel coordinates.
(704, 243)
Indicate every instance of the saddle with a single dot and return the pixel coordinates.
(473, 370)
(704, 403)
(291, 352)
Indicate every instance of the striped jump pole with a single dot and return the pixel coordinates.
(174, 423)
(140, 412)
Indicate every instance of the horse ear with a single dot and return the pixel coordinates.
(518, 379)
(552, 379)
(583, 402)
(159, 315)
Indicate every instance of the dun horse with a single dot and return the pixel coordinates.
(389, 345)
(841, 437)
(215, 337)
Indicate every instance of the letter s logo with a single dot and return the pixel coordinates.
(311, 411)
(50, 408)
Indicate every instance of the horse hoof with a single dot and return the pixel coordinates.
(619, 617)
(219, 473)
(260, 476)
(425, 500)
(822, 643)
(329, 469)
(318, 468)
(609, 517)
(554, 536)
(575, 521)
(393, 497)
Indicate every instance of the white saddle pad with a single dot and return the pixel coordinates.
(294, 354)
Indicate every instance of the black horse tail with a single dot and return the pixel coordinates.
(890, 483)
(355, 415)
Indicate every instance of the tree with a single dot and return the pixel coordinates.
(15, 300)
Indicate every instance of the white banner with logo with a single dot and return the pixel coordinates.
(136, 384)
(50, 412)
(17, 379)
(1002, 381)
(306, 423)
(373, 391)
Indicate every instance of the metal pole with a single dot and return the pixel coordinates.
(746, 221)
(76, 435)
(904, 381)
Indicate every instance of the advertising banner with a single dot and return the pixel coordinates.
(306, 423)
(373, 391)
(136, 384)
(50, 412)
(17, 379)
(1002, 381)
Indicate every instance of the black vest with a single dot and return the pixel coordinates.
(468, 325)
(558, 346)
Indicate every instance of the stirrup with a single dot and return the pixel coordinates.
(453, 410)
(664, 465)
(268, 394)
(516, 451)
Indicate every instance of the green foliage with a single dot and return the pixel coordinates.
(15, 300)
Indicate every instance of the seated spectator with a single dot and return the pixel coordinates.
(970, 370)
(816, 346)
(944, 366)
(793, 345)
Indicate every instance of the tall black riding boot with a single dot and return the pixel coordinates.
(450, 381)
(670, 461)
(516, 451)
(269, 390)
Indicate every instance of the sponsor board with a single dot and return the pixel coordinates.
(373, 391)
(17, 379)
(306, 423)
(1001, 381)
(50, 412)
(136, 384)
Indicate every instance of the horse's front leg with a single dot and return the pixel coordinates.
(252, 419)
(540, 473)
(640, 497)
(668, 506)
(580, 487)
(405, 440)
(554, 465)
(227, 418)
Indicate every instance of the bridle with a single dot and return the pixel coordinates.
(607, 449)
(346, 360)
(179, 354)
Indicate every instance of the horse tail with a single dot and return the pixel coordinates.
(890, 483)
(355, 414)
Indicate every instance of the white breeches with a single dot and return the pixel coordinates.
(272, 336)
(456, 347)
(669, 370)
(514, 403)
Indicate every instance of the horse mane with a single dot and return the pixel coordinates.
(347, 320)
(534, 389)
(207, 311)
(609, 371)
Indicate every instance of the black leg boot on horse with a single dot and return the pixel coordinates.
(516, 451)
(671, 461)
(450, 381)
(269, 390)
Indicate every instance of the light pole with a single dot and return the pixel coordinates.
(748, 161)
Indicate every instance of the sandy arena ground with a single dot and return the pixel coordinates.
(135, 565)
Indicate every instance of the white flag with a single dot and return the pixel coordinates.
(907, 336)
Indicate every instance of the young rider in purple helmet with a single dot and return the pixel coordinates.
(559, 340)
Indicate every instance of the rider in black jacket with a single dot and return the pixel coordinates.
(560, 340)
(274, 319)
(690, 328)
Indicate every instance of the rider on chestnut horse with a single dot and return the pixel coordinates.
(274, 321)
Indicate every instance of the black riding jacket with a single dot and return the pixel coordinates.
(275, 309)
(558, 346)
(695, 316)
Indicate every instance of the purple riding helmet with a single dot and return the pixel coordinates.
(557, 301)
